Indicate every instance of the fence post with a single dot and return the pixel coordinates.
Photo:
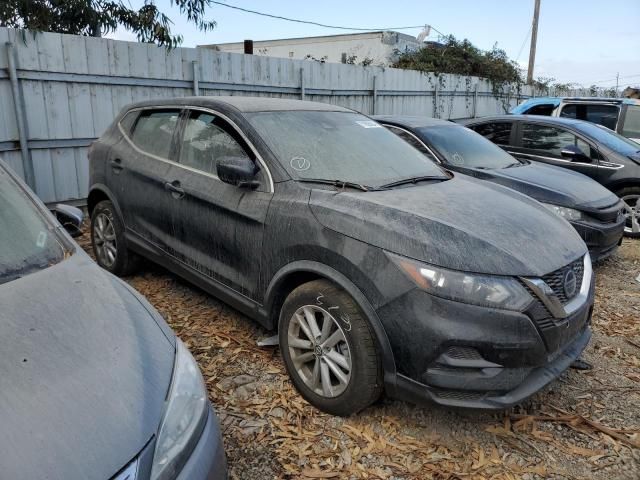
(375, 94)
(475, 101)
(436, 114)
(302, 83)
(18, 101)
(196, 76)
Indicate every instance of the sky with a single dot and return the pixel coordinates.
(579, 41)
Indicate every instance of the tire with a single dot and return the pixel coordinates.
(348, 341)
(631, 197)
(109, 242)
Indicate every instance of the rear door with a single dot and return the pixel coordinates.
(140, 165)
(540, 142)
(217, 227)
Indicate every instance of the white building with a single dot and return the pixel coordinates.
(369, 48)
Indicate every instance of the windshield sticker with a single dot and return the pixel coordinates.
(369, 124)
(300, 164)
(42, 240)
(457, 158)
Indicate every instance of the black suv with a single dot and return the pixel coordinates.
(378, 273)
(595, 151)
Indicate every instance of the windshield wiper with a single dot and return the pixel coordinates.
(337, 183)
(405, 181)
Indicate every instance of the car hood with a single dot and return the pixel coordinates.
(463, 224)
(85, 368)
(550, 184)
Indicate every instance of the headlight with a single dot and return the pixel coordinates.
(484, 290)
(569, 214)
(185, 414)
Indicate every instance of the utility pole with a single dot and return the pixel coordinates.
(534, 39)
(617, 78)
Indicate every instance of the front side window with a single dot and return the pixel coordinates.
(605, 115)
(341, 146)
(28, 241)
(547, 139)
(207, 139)
(631, 127)
(153, 131)
(498, 132)
(612, 140)
(463, 147)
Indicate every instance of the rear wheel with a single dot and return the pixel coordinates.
(329, 349)
(631, 198)
(109, 242)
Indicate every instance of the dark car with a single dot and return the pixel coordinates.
(371, 260)
(594, 211)
(622, 115)
(93, 383)
(605, 156)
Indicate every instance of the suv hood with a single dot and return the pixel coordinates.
(84, 373)
(462, 224)
(550, 184)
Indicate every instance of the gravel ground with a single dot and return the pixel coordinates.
(585, 425)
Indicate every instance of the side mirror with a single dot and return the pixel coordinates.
(70, 218)
(238, 171)
(575, 154)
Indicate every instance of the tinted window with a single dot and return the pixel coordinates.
(407, 137)
(340, 146)
(207, 139)
(606, 115)
(27, 240)
(154, 130)
(546, 138)
(543, 109)
(465, 148)
(615, 142)
(128, 120)
(631, 127)
(498, 132)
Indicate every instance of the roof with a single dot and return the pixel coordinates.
(412, 121)
(532, 118)
(244, 104)
(557, 100)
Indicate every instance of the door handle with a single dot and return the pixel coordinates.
(116, 165)
(174, 187)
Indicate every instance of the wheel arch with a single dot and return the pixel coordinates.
(97, 194)
(297, 273)
(616, 186)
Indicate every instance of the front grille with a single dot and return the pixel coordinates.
(555, 280)
(460, 395)
(463, 353)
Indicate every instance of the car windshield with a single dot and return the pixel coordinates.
(610, 139)
(462, 147)
(342, 146)
(28, 241)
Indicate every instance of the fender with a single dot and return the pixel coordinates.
(388, 361)
(100, 187)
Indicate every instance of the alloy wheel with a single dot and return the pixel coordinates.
(319, 351)
(632, 213)
(104, 237)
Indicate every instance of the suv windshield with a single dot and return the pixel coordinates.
(27, 240)
(614, 141)
(465, 148)
(342, 146)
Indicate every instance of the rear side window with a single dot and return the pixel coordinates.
(605, 115)
(631, 127)
(551, 140)
(153, 131)
(542, 109)
(206, 140)
(498, 132)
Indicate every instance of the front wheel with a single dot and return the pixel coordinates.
(109, 241)
(631, 198)
(329, 349)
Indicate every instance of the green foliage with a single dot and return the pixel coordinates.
(461, 57)
(96, 17)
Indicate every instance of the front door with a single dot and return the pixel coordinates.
(217, 227)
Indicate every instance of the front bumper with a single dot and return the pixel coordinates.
(601, 238)
(510, 355)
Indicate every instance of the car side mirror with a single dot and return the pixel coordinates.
(238, 171)
(70, 218)
(575, 154)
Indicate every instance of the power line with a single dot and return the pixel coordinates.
(524, 43)
(308, 22)
(613, 79)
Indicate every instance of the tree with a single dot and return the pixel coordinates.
(96, 17)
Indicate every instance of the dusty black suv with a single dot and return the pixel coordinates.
(379, 274)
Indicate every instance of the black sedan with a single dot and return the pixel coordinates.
(596, 151)
(593, 210)
(94, 385)
(371, 260)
